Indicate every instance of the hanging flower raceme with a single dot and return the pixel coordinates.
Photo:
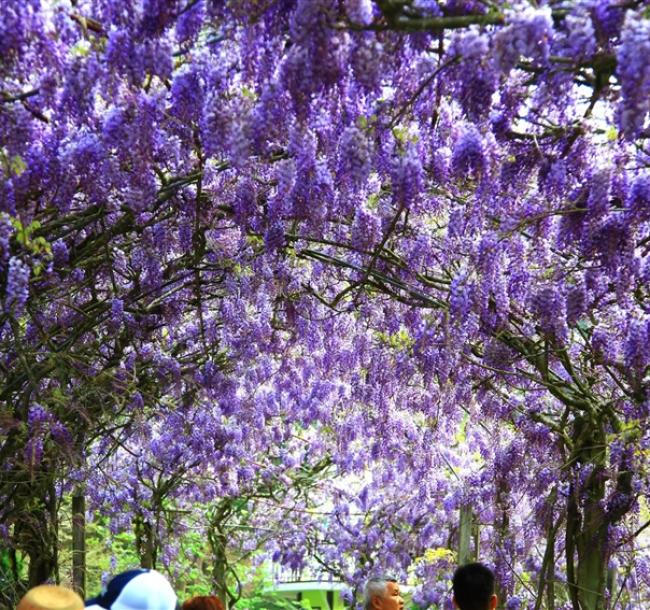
(17, 287)
(468, 157)
(526, 37)
(632, 60)
(407, 177)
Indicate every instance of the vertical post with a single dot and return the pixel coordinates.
(476, 535)
(79, 541)
(465, 535)
(330, 599)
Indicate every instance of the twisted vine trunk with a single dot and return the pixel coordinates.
(589, 518)
(79, 541)
(502, 533)
(36, 531)
(219, 567)
(586, 530)
(547, 573)
(145, 542)
(218, 540)
(42, 549)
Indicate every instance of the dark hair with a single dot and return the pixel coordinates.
(473, 586)
(203, 602)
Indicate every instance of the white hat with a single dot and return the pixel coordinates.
(135, 590)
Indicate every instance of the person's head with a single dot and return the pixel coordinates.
(382, 594)
(50, 597)
(203, 602)
(473, 586)
(135, 590)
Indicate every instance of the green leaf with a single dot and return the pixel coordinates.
(80, 49)
(373, 201)
(16, 165)
(584, 324)
(400, 133)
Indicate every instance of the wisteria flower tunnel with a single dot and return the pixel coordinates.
(337, 285)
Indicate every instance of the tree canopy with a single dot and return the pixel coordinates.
(357, 268)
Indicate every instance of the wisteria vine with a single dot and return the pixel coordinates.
(254, 248)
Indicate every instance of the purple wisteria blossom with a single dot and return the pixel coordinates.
(333, 281)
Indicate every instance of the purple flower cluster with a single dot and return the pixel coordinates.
(407, 176)
(638, 203)
(117, 313)
(6, 231)
(637, 345)
(134, 60)
(17, 26)
(366, 229)
(33, 452)
(190, 22)
(633, 72)
(38, 416)
(431, 8)
(156, 16)
(475, 77)
(527, 36)
(468, 157)
(366, 64)
(581, 36)
(576, 301)
(460, 303)
(359, 11)
(17, 288)
(60, 253)
(608, 18)
(187, 96)
(549, 305)
(461, 7)
(61, 435)
(513, 603)
(355, 156)
(7, 198)
(315, 60)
